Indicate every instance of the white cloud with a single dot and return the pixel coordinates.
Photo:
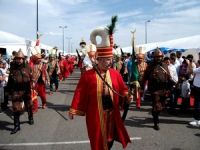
(160, 1)
(40, 2)
(169, 19)
(74, 2)
(52, 33)
(168, 5)
(189, 13)
(130, 14)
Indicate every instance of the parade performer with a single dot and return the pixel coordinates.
(159, 84)
(90, 57)
(99, 95)
(19, 89)
(196, 84)
(53, 71)
(71, 63)
(141, 66)
(81, 54)
(64, 68)
(134, 74)
(40, 76)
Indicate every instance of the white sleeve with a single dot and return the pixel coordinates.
(196, 70)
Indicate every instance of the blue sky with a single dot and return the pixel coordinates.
(170, 19)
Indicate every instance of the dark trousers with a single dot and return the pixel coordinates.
(175, 94)
(54, 80)
(185, 103)
(5, 103)
(110, 144)
(197, 103)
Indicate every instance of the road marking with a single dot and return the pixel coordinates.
(55, 106)
(56, 143)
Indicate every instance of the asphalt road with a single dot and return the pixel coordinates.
(54, 131)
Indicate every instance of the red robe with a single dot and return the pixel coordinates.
(64, 67)
(87, 101)
(71, 64)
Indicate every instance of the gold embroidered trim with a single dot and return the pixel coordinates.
(108, 79)
(100, 108)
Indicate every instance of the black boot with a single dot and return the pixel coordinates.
(30, 116)
(155, 121)
(16, 123)
(110, 144)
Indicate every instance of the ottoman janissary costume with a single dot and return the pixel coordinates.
(141, 66)
(64, 68)
(159, 85)
(40, 76)
(54, 71)
(81, 54)
(95, 98)
(19, 86)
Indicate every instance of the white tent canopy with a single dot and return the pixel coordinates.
(13, 42)
(192, 42)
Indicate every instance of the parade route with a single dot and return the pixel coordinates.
(57, 143)
(53, 130)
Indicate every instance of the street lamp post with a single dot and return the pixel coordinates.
(37, 28)
(69, 38)
(146, 30)
(71, 46)
(63, 32)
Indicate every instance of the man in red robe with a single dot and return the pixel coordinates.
(99, 96)
(64, 68)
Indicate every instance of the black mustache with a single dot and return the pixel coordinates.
(108, 65)
(95, 65)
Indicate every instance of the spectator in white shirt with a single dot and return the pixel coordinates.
(179, 57)
(175, 62)
(196, 84)
(5, 72)
(174, 79)
(191, 66)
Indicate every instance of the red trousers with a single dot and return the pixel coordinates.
(138, 99)
(34, 100)
(41, 90)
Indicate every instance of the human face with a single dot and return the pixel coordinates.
(140, 60)
(19, 60)
(167, 62)
(104, 63)
(38, 60)
(158, 59)
(52, 58)
(92, 54)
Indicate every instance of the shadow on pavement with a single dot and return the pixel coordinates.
(9, 113)
(193, 127)
(4, 125)
(58, 108)
(142, 122)
(139, 122)
(66, 91)
(5, 149)
(74, 78)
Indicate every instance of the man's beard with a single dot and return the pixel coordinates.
(19, 64)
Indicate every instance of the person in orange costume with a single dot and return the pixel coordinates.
(100, 104)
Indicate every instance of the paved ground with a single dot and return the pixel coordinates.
(54, 131)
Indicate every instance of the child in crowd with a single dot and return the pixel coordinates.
(185, 92)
